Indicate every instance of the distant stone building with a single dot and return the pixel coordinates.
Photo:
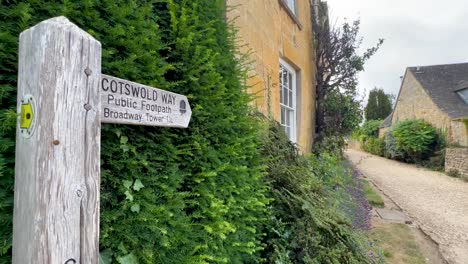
(279, 36)
(439, 95)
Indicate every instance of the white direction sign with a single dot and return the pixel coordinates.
(125, 102)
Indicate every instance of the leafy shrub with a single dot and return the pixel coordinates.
(370, 129)
(391, 149)
(416, 138)
(307, 224)
(330, 144)
(367, 136)
(374, 146)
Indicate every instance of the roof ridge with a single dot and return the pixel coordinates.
(438, 65)
(440, 82)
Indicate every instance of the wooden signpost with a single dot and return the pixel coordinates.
(62, 100)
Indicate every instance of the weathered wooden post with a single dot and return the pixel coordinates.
(60, 90)
(56, 213)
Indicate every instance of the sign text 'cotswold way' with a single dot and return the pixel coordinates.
(125, 102)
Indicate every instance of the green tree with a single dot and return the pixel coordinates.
(379, 105)
(338, 63)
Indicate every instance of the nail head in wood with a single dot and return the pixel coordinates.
(88, 107)
(56, 142)
(88, 71)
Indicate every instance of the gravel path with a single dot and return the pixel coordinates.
(436, 202)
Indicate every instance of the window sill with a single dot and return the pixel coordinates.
(291, 13)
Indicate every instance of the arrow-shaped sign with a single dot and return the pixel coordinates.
(125, 102)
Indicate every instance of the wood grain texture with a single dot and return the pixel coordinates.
(56, 204)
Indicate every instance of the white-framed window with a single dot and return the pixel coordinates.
(287, 76)
(463, 94)
(291, 5)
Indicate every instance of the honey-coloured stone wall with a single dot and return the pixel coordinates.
(269, 33)
(414, 103)
(456, 159)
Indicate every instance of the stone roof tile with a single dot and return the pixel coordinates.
(441, 83)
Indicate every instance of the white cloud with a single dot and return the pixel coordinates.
(416, 32)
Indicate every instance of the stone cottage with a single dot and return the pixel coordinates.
(278, 35)
(437, 94)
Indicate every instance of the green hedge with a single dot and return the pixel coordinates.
(167, 195)
(229, 189)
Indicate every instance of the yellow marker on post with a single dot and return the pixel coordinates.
(27, 116)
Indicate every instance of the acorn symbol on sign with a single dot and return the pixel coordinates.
(182, 107)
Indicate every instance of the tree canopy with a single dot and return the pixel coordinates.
(379, 105)
(338, 63)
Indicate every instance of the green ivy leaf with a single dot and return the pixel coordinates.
(127, 184)
(135, 208)
(105, 256)
(138, 185)
(125, 148)
(122, 248)
(128, 259)
(123, 140)
(129, 196)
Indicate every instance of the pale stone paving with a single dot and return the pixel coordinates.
(435, 201)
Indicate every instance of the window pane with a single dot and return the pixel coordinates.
(281, 94)
(464, 95)
(291, 118)
(287, 108)
(290, 98)
(285, 99)
(283, 118)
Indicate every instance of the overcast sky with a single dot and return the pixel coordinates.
(416, 33)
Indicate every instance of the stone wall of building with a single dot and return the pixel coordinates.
(270, 33)
(459, 132)
(457, 159)
(414, 103)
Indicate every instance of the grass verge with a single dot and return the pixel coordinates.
(398, 244)
(372, 196)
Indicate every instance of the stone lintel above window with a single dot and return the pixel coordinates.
(291, 13)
